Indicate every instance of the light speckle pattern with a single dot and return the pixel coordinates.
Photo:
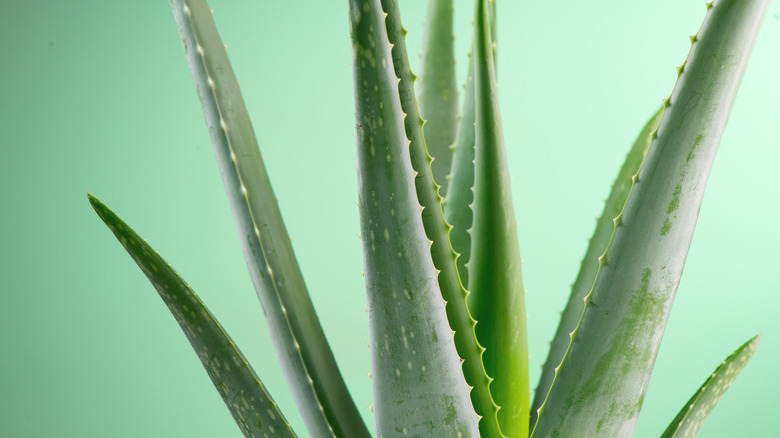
(696, 410)
(266, 245)
(252, 407)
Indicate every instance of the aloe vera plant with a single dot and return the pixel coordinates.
(445, 294)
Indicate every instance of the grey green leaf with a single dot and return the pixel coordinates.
(307, 360)
(437, 229)
(460, 196)
(438, 88)
(698, 408)
(599, 388)
(419, 389)
(252, 407)
(605, 225)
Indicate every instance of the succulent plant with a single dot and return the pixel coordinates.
(442, 261)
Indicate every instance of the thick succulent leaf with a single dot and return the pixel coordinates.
(436, 228)
(497, 294)
(605, 225)
(245, 396)
(460, 195)
(599, 387)
(306, 358)
(419, 388)
(696, 410)
(438, 88)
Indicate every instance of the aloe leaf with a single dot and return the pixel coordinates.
(599, 388)
(497, 293)
(419, 388)
(252, 407)
(438, 88)
(307, 360)
(436, 229)
(696, 410)
(493, 32)
(460, 195)
(605, 225)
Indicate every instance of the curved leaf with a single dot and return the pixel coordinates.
(696, 410)
(605, 225)
(599, 388)
(252, 407)
(307, 360)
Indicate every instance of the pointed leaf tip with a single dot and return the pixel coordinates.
(251, 406)
(697, 408)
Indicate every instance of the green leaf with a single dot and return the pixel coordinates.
(599, 387)
(605, 225)
(696, 410)
(419, 388)
(252, 407)
(436, 229)
(460, 195)
(307, 360)
(497, 293)
(438, 88)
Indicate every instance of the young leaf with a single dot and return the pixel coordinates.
(436, 228)
(497, 293)
(419, 389)
(590, 264)
(599, 387)
(439, 89)
(696, 410)
(307, 360)
(252, 407)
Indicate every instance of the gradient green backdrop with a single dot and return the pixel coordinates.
(96, 95)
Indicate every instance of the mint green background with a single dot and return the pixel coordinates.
(97, 95)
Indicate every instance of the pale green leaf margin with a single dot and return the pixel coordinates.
(599, 387)
(438, 231)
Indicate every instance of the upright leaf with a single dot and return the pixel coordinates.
(599, 387)
(307, 360)
(460, 196)
(419, 389)
(605, 225)
(252, 407)
(438, 88)
(436, 228)
(696, 410)
(497, 293)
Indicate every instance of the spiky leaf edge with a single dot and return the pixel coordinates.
(704, 145)
(437, 230)
(418, 383)
(497, 294)
(605, 226)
